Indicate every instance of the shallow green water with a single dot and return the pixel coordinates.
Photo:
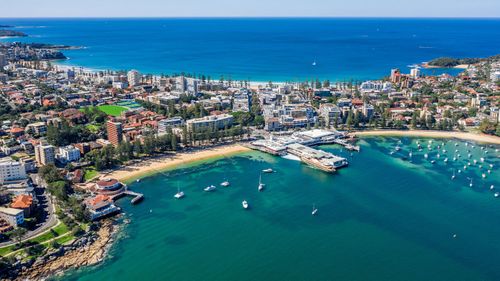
(382, 218)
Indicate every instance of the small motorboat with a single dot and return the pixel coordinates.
(225, 183)
(268, 171)
(244, 204)
(210, 188)
(179, 194)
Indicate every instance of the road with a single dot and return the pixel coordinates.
(48, 218)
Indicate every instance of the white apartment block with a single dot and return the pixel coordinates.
(11, 170)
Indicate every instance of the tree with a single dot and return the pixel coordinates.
(50, 173)
(349, 120)
(18, 233)
(59, 190)
(414, 120)
(174, 142)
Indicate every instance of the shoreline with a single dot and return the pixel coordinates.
(460, 66)
(83, 252)
(481, 138)
(162, 163)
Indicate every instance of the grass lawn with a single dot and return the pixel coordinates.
(113, 110)
(89, 174)
(93, 128)
(57, 231)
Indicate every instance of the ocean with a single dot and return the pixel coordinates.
(264, 49)
(385, 217)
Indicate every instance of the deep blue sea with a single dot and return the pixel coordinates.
(278, 49)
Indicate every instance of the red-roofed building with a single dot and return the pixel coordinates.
(109, 186)
(100, 206)
(23, 202)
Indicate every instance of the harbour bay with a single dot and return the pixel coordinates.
(385, 216)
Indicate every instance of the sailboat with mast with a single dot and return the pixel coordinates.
(314, 210)
(179, 193)
(261, 185)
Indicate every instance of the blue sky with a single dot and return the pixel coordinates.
(249, 8)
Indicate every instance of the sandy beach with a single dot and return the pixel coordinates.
(482, 138)
(151, 166)
(460, 66)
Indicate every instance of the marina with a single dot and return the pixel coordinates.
(299, 144)
(380, 213)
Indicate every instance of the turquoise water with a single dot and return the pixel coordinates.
(382, 218)
(263, 49)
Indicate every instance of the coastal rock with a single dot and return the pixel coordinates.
(87, 250)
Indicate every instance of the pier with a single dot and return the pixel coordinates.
(347, 145)
(137, 197)
(298, 144)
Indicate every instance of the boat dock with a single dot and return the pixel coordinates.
(137, 197)
(347, 145)
(320, 159)
(298, 144)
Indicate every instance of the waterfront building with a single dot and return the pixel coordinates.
(44, 154)
(133, 78)
(68, 154)
(100, 206)
(165, 124)
(215, 122)
(415, 72)
(11, 170)
(115, 131)
(14, 217)
(109, 186)
(395, 75)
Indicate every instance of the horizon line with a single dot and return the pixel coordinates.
(251, 17)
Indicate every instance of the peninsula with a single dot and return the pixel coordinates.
(12, 33)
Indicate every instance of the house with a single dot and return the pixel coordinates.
(14, 217)
(100, 206)
(23, 202)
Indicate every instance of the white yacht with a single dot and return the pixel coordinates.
(261, 185)
(483, 175)
(314, 210)
(470, 184)
(244, 204)
(210, 188)
(453, 176)
(179, 194)
(225, 183)
(269, 170)
(496, 194)
(426, 155)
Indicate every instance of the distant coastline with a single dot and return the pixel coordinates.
(11, 33)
